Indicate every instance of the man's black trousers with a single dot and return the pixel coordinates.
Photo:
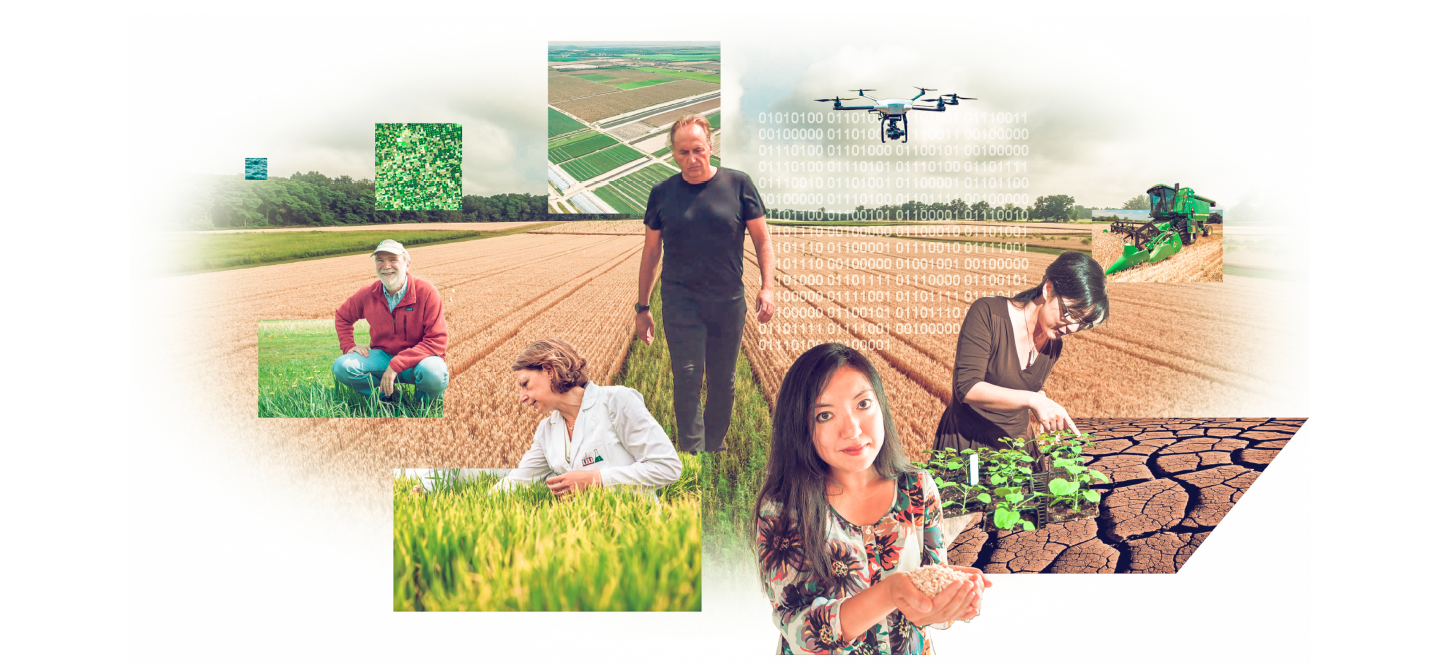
(704, 341)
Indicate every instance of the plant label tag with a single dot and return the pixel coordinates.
(974, 469)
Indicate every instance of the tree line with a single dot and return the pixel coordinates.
(313, 199)
(1045, 208)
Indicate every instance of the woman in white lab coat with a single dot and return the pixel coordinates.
(593, 435)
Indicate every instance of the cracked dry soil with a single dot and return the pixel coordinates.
(1171, 482)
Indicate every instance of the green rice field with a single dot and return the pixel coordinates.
(593, 78)
(464, 548)
(661, 152)
(565, 149)
(708, 78)
(633, 190)
(714, 120)
(601, 162)
(561, 124)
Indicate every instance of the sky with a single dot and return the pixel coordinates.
(1109, 113)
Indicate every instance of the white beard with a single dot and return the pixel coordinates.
(392, 282)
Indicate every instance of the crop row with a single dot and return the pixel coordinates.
(561, 124)
(571, 149)
(601, 162)
(601, 106)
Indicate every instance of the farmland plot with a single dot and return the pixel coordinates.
(602, 106)
(599, 163)
(500, 294)
(633, 130)
(664, 119)
(562, 88)
(1183, 350)
(561, 124)
(580, 145)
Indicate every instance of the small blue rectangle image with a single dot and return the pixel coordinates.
(255, 168)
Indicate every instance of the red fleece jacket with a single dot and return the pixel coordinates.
(415, 330)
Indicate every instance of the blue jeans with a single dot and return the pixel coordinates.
(430, 376)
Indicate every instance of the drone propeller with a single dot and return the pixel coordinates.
(839, 99)
(923, 90)
(862, 90)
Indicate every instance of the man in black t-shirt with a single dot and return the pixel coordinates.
(699, 218)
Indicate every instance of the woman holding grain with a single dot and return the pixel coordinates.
(592, 435)
(1006, 349)
(843, 516)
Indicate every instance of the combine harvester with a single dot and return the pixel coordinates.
(1177, 218)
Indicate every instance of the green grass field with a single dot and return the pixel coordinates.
(715, 161)
(561, 124)
(593, 78)
(714, 120)
(464, 548)
(565, 149)
(205, 252)
(295, 379)
(708, 78)
(634, 84)
(661, 152)
(601, 162)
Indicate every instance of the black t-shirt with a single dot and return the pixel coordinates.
(702, 227)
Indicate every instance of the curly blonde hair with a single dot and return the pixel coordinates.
(556, 358)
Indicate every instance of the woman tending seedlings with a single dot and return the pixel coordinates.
(1005, 352)
(843, 518)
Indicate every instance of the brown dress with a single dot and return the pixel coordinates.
(986, 352)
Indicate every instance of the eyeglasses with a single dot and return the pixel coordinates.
(1069, 317)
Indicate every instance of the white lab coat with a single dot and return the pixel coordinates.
(617, 436)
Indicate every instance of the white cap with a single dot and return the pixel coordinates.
(391, 246)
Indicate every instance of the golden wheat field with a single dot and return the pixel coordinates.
(1168, 350)
(500, 294)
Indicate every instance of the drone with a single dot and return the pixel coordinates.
(891, 112)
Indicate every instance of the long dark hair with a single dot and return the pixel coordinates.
(1076, 277)
(797, 477)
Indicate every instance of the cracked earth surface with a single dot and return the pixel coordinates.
(1171, 482)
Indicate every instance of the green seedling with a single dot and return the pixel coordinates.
(1007, 512)
(1066, 452)
(950, 471)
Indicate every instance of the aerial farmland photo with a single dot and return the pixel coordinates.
(610, 108)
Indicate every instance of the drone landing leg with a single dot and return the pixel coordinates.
(905, 119)
(882, 129)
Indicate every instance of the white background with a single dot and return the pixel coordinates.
(122, 539)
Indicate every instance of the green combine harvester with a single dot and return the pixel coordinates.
(1177, 218)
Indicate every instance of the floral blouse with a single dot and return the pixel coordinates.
(808, 615)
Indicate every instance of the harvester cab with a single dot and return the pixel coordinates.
(1178, 217)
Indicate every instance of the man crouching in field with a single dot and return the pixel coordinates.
(407, 331)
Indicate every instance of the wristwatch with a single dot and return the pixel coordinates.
(641, 308)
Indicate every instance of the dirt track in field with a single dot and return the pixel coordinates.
(1171, 483)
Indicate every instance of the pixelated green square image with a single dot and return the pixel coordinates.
(417, 166)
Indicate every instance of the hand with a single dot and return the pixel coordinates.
(645, 327)
(1051, 416)
(985, 583)
(952, 603)
(765, 305)
(387, 381)
(572, 482)
(361, 350)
